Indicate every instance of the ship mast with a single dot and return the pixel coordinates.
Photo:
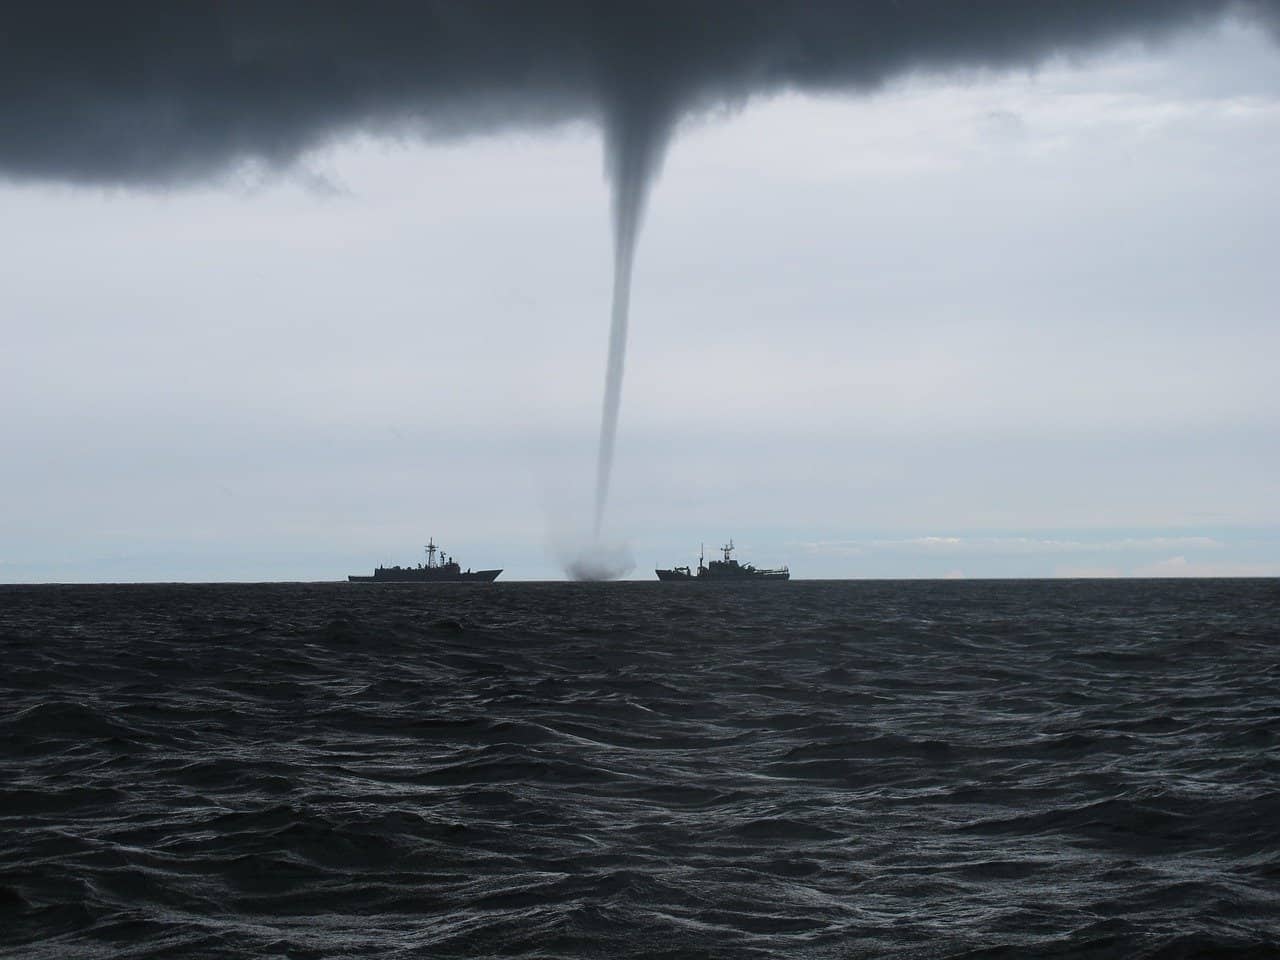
(431, 552)
(728, 549)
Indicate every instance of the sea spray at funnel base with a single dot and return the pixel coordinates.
(599, 561)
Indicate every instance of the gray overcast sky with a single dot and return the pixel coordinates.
(997, 323)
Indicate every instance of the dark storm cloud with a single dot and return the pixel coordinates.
(163, 92)
(151, 93)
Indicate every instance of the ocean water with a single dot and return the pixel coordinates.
(812, 769)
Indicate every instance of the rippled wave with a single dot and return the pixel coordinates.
(996, 769)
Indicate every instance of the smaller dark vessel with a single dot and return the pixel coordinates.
(446, 571)
(726, 569)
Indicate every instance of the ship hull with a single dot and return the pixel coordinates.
(673, 575)
(426, 576)
(670, 576)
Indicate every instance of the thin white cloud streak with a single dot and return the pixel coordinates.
(1180, 566)
(1006, 546)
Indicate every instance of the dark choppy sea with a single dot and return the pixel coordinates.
(823, 769)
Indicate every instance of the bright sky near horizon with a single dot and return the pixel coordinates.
(998, 324)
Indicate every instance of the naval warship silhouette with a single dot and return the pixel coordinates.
(726, 569)
(446, 570)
